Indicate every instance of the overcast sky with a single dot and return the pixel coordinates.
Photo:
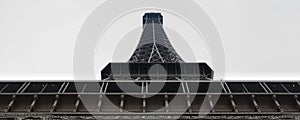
(261, 38)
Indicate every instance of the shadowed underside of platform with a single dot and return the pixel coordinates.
(274, 99)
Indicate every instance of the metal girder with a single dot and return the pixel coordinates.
(232, 101)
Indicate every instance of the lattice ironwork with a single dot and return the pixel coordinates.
(155, 58)
(154, 45)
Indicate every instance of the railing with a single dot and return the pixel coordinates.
(150, 97)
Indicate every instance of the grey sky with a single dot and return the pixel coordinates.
(261, 37)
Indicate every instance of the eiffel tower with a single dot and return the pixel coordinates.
(154, 59)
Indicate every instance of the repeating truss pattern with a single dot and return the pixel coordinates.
(243, 100)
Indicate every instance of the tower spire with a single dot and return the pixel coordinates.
(154, 45)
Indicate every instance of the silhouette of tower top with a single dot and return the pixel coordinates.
(154, 45)
(152, 17)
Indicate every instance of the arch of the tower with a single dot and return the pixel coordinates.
(155, 53)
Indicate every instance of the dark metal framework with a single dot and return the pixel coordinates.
(157, 71)
(39, 99)
(154, 45)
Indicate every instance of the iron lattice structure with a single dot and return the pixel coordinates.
(154, 45)
(155, 58)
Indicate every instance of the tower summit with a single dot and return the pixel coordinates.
(155, 58)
